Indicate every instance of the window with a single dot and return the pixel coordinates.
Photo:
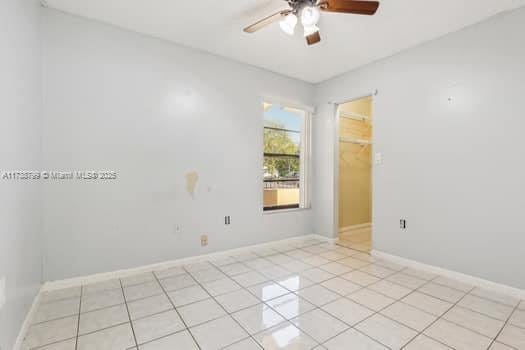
(286, 136)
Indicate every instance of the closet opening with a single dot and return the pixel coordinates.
(353, 214)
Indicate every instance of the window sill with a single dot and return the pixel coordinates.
(283, 211)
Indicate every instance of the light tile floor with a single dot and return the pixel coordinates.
(307, 294)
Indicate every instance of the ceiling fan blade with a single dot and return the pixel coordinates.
(266, 21)
(313, 38)
(350, 6)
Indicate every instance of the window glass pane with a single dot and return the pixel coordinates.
(277, 141)
(276, 167)
(283, 117)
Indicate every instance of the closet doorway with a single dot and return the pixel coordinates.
(354, 174)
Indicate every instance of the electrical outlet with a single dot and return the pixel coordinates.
(204, 240)
(3, 296)
(402, 224)
(227, 220)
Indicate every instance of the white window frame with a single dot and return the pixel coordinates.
(305, 153)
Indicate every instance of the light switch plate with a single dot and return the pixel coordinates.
(378, 159)
(2, 292)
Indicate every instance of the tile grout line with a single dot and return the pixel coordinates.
(240, 341)
(444, 319)
(177, 311)
(345, 297)
(459, 306)
(79, 314)
(440, 318)
(315, 306)
(475, 295)
(320, 307)
(396, 300)
(42, 346)
(129, 315)
(465, 293)
(285, 320)
(162, 337)
(456, 305)
(469, 292)
(379, 311)
(505, 324)
(103, 328)
(223, 308)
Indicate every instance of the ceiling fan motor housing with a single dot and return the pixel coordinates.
(298, 5)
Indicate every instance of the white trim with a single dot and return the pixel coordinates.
(355, 227)
(284, 211)
(27, 321)
(472, 280)
(335, 174)
(304, 161)
(284, 102)
(101, 277)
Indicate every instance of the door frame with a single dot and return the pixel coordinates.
(336, 158)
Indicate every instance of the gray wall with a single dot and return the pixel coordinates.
(152, 111)
(20, 256)
(453, 168)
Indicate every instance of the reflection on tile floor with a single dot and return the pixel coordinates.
(307, 294)
(357, 239)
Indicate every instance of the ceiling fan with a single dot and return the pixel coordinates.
(309, 12)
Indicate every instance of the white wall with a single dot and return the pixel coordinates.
(152, 111)
(454, 169)
(20, 249)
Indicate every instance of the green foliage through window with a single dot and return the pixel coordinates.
(281, 152)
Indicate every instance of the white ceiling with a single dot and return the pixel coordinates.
(349, 41)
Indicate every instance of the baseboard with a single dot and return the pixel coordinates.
(27, 321)
(101, 277)
(472, 280)
(352, 228)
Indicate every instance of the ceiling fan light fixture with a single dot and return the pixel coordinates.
(310, 16)
(310, 30)
(288, 24)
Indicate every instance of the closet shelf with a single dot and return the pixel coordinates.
(347, 139)
(355, 116)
